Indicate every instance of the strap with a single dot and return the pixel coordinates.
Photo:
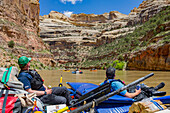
(5, 79)
(6, 75)
(4, 103)
(112, 80)
(1, 93)
(157, 105)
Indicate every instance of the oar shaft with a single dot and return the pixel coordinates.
(105, 97)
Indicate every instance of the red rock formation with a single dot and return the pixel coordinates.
(153, 58)
(19, 22)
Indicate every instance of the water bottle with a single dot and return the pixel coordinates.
(49, 87)
(138, 87)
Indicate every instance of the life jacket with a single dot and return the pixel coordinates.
(36, 81)
(113, 80)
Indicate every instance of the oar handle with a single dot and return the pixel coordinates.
(105, 97)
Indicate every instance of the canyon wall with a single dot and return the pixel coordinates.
(153, 58)
(19, 22)
(71, 39)
(146, 10)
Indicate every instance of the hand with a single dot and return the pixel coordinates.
(49, 91)
(138, 91)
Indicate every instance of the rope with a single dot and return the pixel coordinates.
(157, 105)
(94, 103)
(84, 102)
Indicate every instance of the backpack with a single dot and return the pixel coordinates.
(9, 103)
(12, 80)
(12, 105)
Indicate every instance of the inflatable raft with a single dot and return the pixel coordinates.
(115, 104)
(77, 72)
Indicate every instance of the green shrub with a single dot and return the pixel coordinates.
(120, 57)
(158, 22)
(119, 65)
(162, 28)
(115, 62)
(154, 32)
(152, 20)
(11, 44)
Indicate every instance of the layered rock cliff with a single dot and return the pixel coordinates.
(93, 18)
(157, 55)
(71, 39)
(19, 22)
(67, 42)
(70, 42)
(146, 10)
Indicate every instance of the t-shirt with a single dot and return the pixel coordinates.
(115, 85)
(25, 78)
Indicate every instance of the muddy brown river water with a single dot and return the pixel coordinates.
(52, 77)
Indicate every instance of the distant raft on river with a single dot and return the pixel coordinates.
(77, 72)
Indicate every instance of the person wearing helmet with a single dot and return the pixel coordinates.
(33, 83)
(117, 84)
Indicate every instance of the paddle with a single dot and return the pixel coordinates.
(96, 93)
(105, 97)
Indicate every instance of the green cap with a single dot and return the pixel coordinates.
(22, 61)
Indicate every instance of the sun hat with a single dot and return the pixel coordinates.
(22, 61)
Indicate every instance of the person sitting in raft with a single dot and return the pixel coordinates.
(33, 83)
(117, 84)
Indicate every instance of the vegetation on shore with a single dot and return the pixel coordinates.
(9, 58)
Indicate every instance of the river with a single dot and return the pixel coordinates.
(52, 77)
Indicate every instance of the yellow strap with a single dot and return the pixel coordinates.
(62, 110)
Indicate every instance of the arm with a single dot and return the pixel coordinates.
(117, 85)
(39, 93)
(131, 95)
(45, 86)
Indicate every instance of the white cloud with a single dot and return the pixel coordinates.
(68, 13)
(72, 1)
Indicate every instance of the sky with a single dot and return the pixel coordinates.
(69, 7)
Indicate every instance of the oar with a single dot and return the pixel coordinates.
(105, 97)
(88, 97)
(60, 84)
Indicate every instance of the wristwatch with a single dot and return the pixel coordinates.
(45, 92)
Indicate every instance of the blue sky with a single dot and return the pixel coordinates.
(87, 6)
